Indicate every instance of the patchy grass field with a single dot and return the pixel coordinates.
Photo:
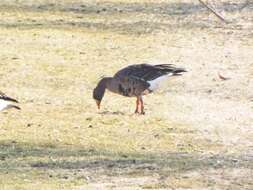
(197, 132)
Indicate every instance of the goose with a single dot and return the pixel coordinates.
(135, 81)
(6, 102)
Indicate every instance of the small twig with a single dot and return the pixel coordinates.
(213, 11)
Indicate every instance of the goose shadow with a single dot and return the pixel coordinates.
(112, 113)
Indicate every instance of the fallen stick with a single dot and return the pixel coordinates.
(213, 11)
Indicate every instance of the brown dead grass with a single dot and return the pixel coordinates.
(197, 133)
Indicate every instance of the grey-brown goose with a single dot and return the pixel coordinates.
(135, 81)
(6, 102)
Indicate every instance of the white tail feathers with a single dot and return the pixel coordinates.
(155, 84)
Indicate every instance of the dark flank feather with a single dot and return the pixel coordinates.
(131, 86)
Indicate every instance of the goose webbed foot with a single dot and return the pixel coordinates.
(141, 113)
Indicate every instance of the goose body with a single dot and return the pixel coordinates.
(6, 102)
(136, 81)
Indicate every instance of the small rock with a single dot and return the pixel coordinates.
(29, 125)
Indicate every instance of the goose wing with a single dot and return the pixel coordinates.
(134, 79)
(148, 72)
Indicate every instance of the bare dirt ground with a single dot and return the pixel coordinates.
(198, 129)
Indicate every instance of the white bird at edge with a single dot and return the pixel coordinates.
(6, 102)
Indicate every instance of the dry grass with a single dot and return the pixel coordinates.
(197, 133)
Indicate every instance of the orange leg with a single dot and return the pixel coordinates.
(137, 105)
(142, 106)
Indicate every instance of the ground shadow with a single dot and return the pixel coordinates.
(105, 162)
(179, 8)
(181, 12)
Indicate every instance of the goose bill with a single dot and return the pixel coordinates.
(98, 103)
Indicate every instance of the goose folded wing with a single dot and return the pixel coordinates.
(148, 72)
(136, 78)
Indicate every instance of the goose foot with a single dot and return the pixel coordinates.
(141, 113)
